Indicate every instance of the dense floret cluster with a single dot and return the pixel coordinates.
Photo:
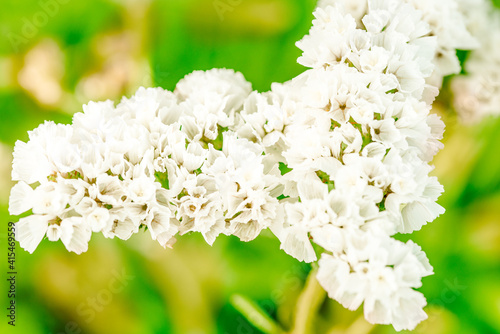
(477, 93)
(162, 160)
(446, 20)
(334, 162)
(356, 134)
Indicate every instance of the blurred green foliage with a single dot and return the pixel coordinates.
(188, 289)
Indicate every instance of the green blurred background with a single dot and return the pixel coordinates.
(56, 55)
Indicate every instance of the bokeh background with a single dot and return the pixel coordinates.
(56, 55)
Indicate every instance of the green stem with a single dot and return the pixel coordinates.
(308, 305)
(360, 326)
(255, 315)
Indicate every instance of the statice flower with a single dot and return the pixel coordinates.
(446, 21)
(381, 272)
(165, 161)
(354, 137)
(477, 93)
(448, 24)
(334, 162)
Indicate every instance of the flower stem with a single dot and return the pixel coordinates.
(308, 305)
(360, 326)
(255, 315)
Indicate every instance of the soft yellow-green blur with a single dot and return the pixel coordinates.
(56, 55)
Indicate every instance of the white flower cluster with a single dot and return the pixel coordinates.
(355, 135)
(334, 161)
(445, 19)
(159, 160)
(477, 93)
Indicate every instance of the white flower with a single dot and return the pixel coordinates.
(450, 21)
(98, 219)
(21, 198)
(85, 206)
(43, 154)
(449, 25)
(162, 228)
(54, 232)
(295, 242)
(75, 234)
(141, 190)
(330, 237)
(201, 208)
(213, 97)
(73, 189)
(381, 273)
(107, 189)
(360, 128)
(31, 230)
(357, 8)
(477, 94)
(337, 157)
(121, 223)
(49, 199)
